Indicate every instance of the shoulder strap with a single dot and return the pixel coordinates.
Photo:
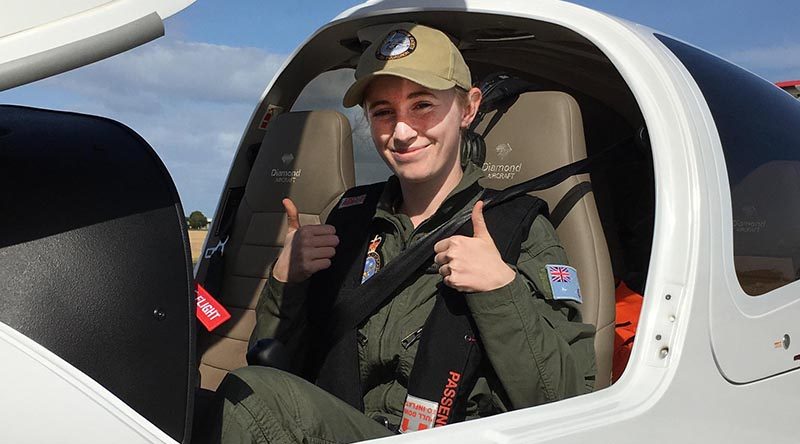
(568, 201)
(449, 358)
(351, 217)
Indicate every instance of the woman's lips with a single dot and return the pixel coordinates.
(408, 152)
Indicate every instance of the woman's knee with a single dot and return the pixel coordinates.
(259, 382)
(259, 402)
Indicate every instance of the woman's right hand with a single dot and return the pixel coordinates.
(306, 250)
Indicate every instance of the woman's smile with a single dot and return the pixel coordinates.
(409, 153)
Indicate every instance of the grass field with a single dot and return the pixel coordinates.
(196, 239)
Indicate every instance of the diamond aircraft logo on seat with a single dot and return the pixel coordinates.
(287, 158)
(503, 150)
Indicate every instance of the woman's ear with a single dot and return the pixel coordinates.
(474, 97)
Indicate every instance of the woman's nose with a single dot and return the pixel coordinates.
(403, 132)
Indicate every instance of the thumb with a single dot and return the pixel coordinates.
(292, 217)
(478, 223)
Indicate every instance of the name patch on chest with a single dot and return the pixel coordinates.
(352, 201)
(564, 283)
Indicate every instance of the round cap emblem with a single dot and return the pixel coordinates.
(397, 44)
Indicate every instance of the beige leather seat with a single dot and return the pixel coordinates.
(307, 156)
(541, 132)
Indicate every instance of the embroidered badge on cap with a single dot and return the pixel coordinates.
(564, 283)
(398, 44)
(373, 262)
(352, 201)
(418, 414)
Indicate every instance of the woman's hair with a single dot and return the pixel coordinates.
(462, 95)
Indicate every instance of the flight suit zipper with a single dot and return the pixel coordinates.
(409, 340)
(398, 228)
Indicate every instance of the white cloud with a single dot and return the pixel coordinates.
(773, 62)
(177, 70)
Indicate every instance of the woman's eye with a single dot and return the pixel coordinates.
(380, 113)
(423, 105)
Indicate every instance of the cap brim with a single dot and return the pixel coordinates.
(355, 94)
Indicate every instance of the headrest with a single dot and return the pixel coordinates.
(295, 161)
(541, 132)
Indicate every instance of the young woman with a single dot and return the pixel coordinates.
(410, 365)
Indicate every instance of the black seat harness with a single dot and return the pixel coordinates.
(449, 357)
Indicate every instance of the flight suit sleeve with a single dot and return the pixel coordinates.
(538, 347)
(280, 312)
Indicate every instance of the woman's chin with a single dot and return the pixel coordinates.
(412, 172)
(423, 173)
(411, 176)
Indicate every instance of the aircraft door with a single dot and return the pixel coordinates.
(754, 330)
(54, 36)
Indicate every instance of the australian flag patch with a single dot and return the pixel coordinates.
(564, 283)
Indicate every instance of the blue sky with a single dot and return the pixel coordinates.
(190, 93)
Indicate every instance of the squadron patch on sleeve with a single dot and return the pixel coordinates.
(564, 283)
(373, 262)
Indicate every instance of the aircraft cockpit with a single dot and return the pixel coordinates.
(575, 104)
(690, 202)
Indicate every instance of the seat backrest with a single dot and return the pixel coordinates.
(95, 265)
(541, 132)
(306, 156)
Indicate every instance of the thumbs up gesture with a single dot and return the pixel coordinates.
(472, 264)
(306, 249)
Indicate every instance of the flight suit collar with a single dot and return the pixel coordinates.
(464, 193)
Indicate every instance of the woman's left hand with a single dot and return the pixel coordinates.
(472, 264)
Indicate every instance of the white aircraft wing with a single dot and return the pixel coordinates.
(47, 37)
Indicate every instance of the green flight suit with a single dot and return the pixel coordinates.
(539, 350)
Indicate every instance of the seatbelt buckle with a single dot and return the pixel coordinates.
(219, 247)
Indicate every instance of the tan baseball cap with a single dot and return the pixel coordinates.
(415, 52)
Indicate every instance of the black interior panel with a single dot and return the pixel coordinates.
(94, 258)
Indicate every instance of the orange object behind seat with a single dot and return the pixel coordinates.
(629, 306)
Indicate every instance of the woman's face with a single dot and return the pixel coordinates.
(417, 130)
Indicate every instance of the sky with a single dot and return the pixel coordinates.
(190, 94)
